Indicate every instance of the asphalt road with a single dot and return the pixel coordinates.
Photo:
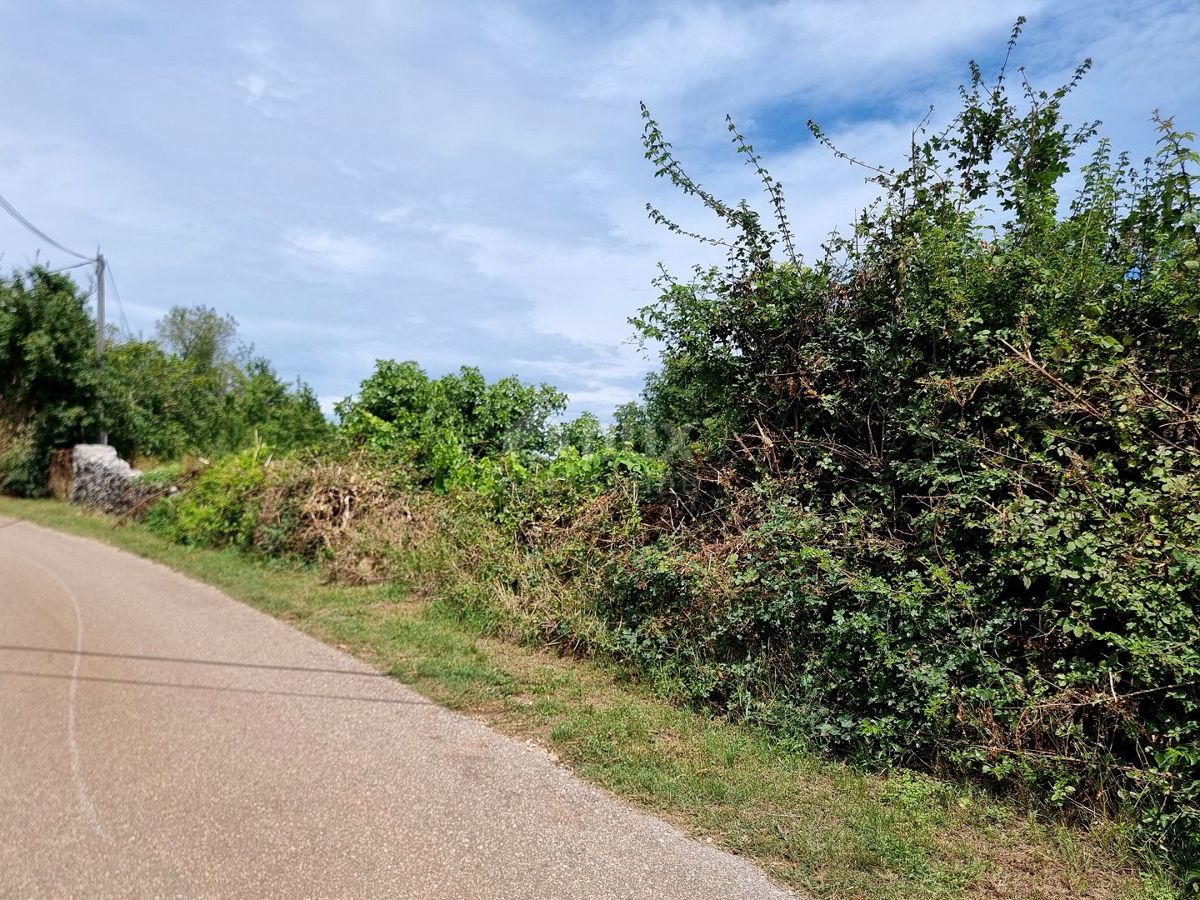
(158, 739)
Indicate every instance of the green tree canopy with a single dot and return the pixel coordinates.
(434, 422)
(200, 335)
(49, 378)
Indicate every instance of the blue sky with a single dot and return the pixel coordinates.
(461, 182)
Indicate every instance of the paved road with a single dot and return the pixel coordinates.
(158, 739)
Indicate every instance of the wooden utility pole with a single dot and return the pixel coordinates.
(100, 337)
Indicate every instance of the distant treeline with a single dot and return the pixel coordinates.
(194, 389)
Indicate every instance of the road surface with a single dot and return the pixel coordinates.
(158, 739)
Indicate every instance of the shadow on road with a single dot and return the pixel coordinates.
(213, 687)
(136, 657)
(16, 648)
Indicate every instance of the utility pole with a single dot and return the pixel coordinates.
(100, 337)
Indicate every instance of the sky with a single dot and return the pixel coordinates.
(462, 183)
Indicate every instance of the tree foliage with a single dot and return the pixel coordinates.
(197, 391)
(442, 424)
(200, 336)
(49, 380)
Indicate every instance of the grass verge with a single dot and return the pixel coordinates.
(819, 827)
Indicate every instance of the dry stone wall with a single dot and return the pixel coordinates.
(102, 480)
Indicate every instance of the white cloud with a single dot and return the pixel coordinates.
(395, 215)
(268, 84)
(840, 48)
(341, 253)
(463, 183)
(344, 168)
(575, 288)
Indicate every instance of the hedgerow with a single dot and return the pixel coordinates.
(947, 506)
(932, 498)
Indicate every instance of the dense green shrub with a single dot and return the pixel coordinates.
(443, 425)
(221, 505)
(22, 469)
(946, 505)
(49, 378)
(522, 491)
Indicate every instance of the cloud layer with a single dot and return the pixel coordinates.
(463, 183)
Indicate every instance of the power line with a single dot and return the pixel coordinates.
(112, 279)
(15, 213)
(117, 291)
(101, 268)
(86, 262)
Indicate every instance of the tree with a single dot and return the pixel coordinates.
(200, 335)
(49, 378)
(196, 391)
(149, 407)
(163, 406)
(265, 407)
(584, 433)
(439, 423)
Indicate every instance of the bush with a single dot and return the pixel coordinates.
(220, 508)
(49, 378)
(944, 503)
(23, 470)
(440, 426)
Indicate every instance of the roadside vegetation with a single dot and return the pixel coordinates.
(825, 828)
(928, 503)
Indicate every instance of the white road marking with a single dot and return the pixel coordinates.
(86, 807)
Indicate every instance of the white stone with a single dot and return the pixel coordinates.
(102, 480)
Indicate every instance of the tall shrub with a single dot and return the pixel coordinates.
(49, 378)
(945, 506)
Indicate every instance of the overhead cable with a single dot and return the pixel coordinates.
(117, 291)
(16, 214)
(86, 262)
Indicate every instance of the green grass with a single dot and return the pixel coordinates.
(814, 825)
